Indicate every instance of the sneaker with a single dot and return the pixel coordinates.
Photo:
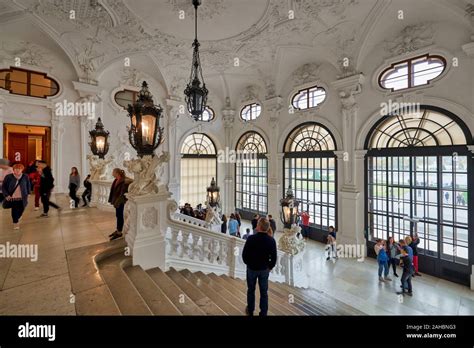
(43, 215)
(113, 233)
(381, 279)
(37, 208)
(401, 293)
(388, 279)
(410, 294)
(328, 258)
(396, 275)
(116, 236)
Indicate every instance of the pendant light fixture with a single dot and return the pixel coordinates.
(196, 91)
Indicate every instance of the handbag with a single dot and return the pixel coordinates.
(8, 204)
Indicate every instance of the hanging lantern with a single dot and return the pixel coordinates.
(99, 140)
(145, 133)
(289, 209)
(213, 195)
(196, 91)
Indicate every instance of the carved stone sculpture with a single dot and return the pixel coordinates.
(290, 242)
(144, 174)
(99, 167)
(213, 215)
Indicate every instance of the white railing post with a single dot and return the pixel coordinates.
(100, 195)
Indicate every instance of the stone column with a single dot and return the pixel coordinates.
(57, 132)
(350, 203)
(274, 107)
(228, 201)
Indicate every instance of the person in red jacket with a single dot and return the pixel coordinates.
(35, 178)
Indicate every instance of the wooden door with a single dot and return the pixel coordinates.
(18, 148)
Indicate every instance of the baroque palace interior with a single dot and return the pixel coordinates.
(365, 109)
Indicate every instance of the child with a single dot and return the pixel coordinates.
(407, 272)
(382, 259)
(247, 234)
(331, 243)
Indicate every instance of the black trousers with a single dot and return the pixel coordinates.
(119, 216)
(17, 210)
(73, 195)
(86, 195)
(394, 263)
(46, 202)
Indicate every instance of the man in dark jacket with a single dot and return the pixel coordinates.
(254, 222)
(273, 224)
(260, 256)
(46, 186)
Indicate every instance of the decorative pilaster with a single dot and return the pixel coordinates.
(348, 89)
(57, 132)
(171, 145)
(229, 190)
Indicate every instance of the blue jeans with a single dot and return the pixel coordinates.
(262, 277)
(383, 266)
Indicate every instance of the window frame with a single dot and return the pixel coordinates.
(239, 190)
(134, 93)
(410, 75)
(29, 83)
(307, 90)
(251, 106)
(321, 155)
(440, 265)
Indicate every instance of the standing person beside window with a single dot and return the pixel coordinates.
(46, 187)
(305, 224)
(224, 224)
(74, 183)
(233, 226)
(414, 245)
(118, 199)
(392, 251)
(16, 188)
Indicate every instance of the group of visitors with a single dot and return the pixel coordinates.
(234, 223)
(18, 182)
(403, 253)
(198, 213)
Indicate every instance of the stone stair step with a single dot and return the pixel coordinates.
(96, 301)
(284, 300)
(298, 303)
(222, 302)
(154, 297)
(177, 296)
(236, 301)
(127, 297)
(276, 307)
(199, 298)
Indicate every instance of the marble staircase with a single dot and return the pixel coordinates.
(134, 291)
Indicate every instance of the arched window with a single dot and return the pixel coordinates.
(198, 167)
(251, 112)
(28, 83)
(310, 169)
(418, 167)
(251, 175)
(308, 98)
(208, 115)
(126, 97)
(412, 72)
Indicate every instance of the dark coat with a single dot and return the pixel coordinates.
(9, 184)
(118, 191)
(47, 181)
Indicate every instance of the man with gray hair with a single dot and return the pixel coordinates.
(5, 169)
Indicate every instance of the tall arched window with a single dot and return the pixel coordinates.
(251, 176)
(310, 169)
(198, 167)
(418, 170)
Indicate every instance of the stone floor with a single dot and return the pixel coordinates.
(44, 287)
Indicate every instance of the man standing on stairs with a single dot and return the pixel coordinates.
(260, 256)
